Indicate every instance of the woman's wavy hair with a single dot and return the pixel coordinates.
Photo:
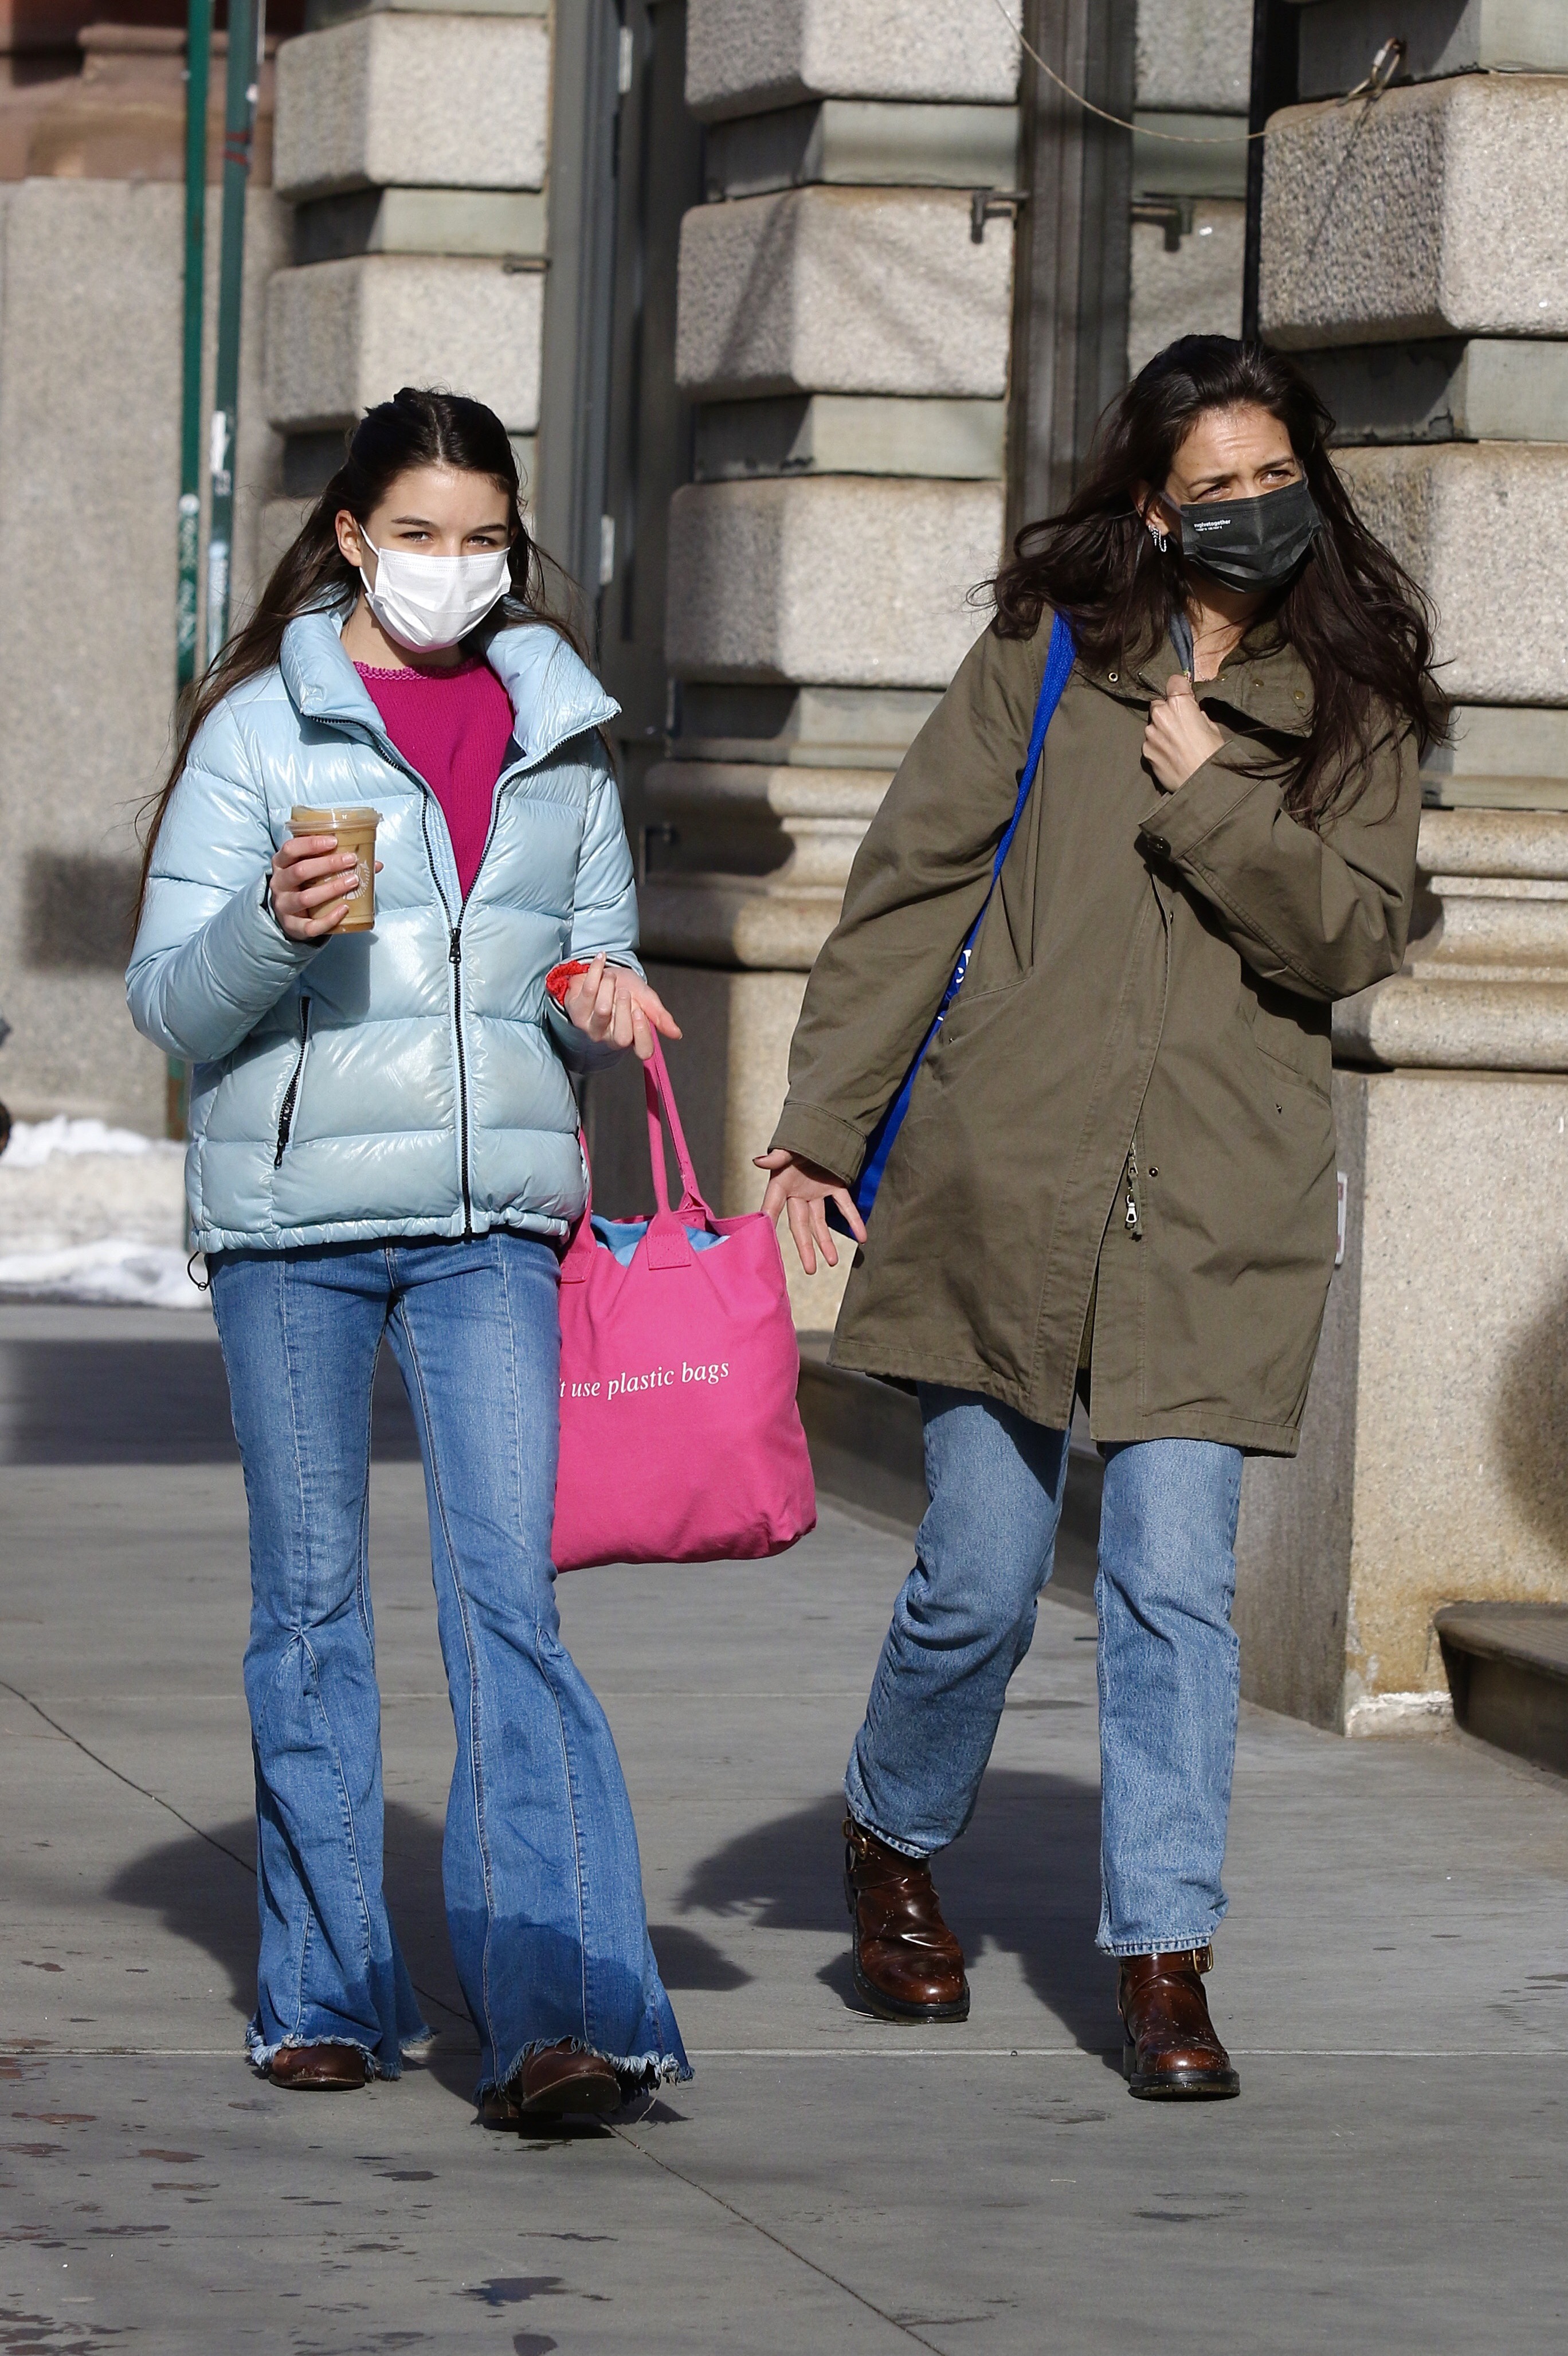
(1360, 624)
(413, 429)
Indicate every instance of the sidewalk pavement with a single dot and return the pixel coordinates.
(1392, 1982)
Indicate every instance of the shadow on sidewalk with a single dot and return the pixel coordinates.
(205, 1896)
(136, 1402)
(1025, 1879)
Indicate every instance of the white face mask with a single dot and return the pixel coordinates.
(427, 603)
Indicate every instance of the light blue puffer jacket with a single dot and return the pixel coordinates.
(408, 1081)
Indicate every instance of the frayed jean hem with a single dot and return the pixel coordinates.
(259, 2053)
(1180, 1942)
(640, 2073)
(904, 1848)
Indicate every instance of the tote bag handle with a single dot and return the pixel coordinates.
(660, 1097)
(666, 1244)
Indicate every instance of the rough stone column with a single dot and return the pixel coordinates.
(419, 222)
(844, 323)
(1413, 258)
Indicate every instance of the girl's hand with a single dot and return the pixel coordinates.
(313, 882)
(1180, 737)
(804, 1191)
(610, 1002)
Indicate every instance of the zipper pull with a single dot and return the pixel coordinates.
(1133, 1223)
(454, 953)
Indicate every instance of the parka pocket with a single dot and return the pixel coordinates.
(1292, 1052)
(289, 1109)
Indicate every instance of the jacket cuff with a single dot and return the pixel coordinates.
(245, 935)
(1181, 821)
(821, 1137)
(577, 1051)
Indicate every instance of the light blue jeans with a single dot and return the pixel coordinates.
(544, 1891)
(1170, 1678)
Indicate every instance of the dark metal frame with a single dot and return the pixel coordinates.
(1275, 82)
(579, 293)
(1075, 252)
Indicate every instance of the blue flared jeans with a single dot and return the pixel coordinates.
(543, 1883)
(1170, 1672)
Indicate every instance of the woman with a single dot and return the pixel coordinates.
(1116, 1177)
(384, 1143)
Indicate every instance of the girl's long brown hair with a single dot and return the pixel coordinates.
(1354, 615)
(413, 429)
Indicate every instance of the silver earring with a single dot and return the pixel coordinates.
(1161, 539)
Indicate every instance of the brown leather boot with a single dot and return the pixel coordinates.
(1170, 2049)
(907, 1965)
(558, 2083)
(319, 2069)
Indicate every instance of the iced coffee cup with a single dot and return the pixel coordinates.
(355, 831)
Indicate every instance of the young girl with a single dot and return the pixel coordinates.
(1116, 1177)
(384, 1143)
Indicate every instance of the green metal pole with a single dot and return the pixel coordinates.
(198, 59)
(198, 68)
(245, 20)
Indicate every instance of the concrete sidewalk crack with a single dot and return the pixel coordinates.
(623, 2136)
(169, 1809)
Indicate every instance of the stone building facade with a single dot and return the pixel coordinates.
(795, 310)
(1413, 259)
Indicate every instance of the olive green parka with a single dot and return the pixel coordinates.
(1132, 1085)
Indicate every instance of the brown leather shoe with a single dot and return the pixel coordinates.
(1171, 2051)
(907, 1965)
(558, 2082)
(319, 2069)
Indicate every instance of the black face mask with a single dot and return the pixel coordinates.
(1251, 544)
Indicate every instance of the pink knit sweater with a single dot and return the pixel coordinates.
(452, 727)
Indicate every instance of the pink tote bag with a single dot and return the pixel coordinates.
(680, 1439)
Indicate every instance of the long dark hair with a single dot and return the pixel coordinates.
(1358, 621)
(413, 429)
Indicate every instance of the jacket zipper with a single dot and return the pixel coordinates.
(455, 955)
(291, 1094)
(455, 960)
(1134, 1224)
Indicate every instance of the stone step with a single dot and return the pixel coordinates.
(1508, 1671)
(865, 1442)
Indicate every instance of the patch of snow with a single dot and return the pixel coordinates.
(34, 1143)
(147, 1276)
(67, 1186)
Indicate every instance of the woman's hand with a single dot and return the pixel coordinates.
(610, 1002)
(804, 1191)
(313, 882)
(1180, 737)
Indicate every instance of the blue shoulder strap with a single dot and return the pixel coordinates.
(1061, 655)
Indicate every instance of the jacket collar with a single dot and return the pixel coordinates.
(554, 695)
(1264, 680)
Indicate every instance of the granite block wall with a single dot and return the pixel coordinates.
(846, 331)
(419, 222)
(1412, 258)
